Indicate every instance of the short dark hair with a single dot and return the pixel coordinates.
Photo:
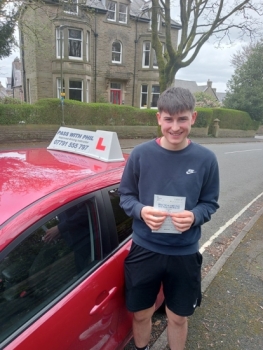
(175, 100)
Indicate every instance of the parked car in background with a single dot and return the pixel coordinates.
(63, 241)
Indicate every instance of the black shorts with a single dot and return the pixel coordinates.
(180, 275)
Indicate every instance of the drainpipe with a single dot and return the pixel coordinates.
(135, 54)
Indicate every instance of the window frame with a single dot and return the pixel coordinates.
(110, 214)
(58, 84)
(58, 43)
(88, 46)
(88, 90)
(105, 246)
(158, 21)
(114, 52)
(111, 11)
(71, 4)
(153, 94)
(75, 89)
(146, 52)
(123, 13)
(75, 39)
(144, 93)
(155, 63)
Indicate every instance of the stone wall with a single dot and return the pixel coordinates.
(11, 133)
(236, 133)
(23, 132)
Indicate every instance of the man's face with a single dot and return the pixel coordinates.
(175, 129)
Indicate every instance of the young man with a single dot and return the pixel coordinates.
(170, 187)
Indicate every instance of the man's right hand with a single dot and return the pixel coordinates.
(154, 218)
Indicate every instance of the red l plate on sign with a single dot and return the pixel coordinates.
(100, 145)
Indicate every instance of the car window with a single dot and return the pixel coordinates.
(46, 263)
(123, 222)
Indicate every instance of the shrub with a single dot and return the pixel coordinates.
(204, 117)
(10, 101)
(234, 119)
(206, 101)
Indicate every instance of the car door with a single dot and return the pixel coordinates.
(66, 292)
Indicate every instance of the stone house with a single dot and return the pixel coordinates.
(15, 83)
(3, 92)
(91, 51)
(207, 89)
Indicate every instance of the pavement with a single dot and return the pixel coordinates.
(231, 313)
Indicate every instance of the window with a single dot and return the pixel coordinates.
(123, 222)
(71, 6)
(146, 54)
(75, 43)
(59, 87)
(44, 265)
(149, 58)
(87, 46)
(75, 90)
(59, 42)
(155, 95)
(158, 21)
(87, 91)
(144, 96)
(116, 52)
(111, 11)
(123, 13)
(155, 64)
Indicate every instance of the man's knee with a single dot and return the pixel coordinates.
(144, 315)
(174, 319)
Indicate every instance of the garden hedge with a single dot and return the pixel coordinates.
(49, 111)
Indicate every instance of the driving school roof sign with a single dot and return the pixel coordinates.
(102, 145)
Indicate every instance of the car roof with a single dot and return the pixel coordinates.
(28, 175)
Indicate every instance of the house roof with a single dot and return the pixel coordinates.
(138, 9)
(221, 96)
(190, 85)
(193, 87)
(3, 92)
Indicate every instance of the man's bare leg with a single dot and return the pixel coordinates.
(142, 326)
(176, 330)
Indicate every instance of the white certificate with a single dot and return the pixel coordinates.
(170, 204)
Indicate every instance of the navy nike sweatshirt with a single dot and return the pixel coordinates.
(191, 173)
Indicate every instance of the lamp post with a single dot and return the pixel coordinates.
(62, 93)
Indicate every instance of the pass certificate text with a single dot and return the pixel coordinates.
(170, 204)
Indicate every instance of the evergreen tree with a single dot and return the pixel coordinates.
(8, 19)
(246, 85)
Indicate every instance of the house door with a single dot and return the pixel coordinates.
(115, 93)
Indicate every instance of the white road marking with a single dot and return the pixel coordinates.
(227, 224)
(246, 150)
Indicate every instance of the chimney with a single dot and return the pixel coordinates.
(209, 83)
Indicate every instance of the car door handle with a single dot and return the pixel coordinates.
(111, 293)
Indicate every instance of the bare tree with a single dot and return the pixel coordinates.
(200, 20)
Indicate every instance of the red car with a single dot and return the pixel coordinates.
(63, 241)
